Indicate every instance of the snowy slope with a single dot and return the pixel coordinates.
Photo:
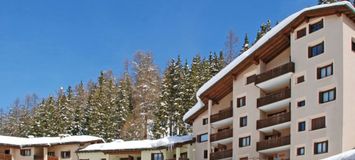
(141, 144)
(247, 53)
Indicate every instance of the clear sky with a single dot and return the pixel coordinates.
(52, 43)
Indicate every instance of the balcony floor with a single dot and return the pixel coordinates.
(222, 123)
(223, 141)
(276, 149)
(276, 127)
(276, 105)
(275, 83)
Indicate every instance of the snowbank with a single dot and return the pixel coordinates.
(251, 50)
(46, 141)
(348, 155)
(140, 145)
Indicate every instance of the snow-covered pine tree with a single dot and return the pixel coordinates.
(64, 111)
(245, 44)
(145, 93)
(125, 101)
(79, 107)
(45, 118)
(264, 28)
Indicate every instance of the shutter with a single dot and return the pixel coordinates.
(318, 73)
(309, 52)
(320, 97)
(152, 156)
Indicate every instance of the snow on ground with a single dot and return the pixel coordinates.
(253, 48)
(348, 155)
(139, 144)
(21, 141)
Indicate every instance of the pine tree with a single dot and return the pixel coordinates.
(44, 119)
(79, 107)
(264, 28)
(245, 44)
(64, 111)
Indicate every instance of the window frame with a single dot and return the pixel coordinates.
(299, 149)
(330, 98)
(324, 149)
(241, 101)
(300, 79)
(301, 33)
(205, 154)
(153, 157)
(314, 27)
(326, 71)
(199, 138)
(300, 128)
(310, 50)
(243, 121)
(205, 121)
(301, 103)
(247, 141)
(318, 123)
(26, 152)
(64, 155)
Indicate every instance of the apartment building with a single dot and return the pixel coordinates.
(290, 96)
(168, 148)
(63, 147)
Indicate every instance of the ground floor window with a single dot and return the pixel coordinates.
(157, 156)
(25, 152)
(65, 154)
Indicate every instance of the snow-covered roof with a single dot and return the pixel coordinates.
(199, 105)
(348, 155)
(137, 145)
(46, 141)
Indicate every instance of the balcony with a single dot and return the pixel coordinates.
(222, 137)
(275, 100)
(274, 145)
(275, 78)
(222, 118)
(5, 156)
(222, 155)
(52, 158)
(277, 122)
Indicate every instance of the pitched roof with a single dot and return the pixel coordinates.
(46, 141)
(120, 145)
(287, 26)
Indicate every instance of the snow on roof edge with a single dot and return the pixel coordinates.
(137, 144)
(199, 105)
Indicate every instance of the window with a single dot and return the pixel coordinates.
(205, 154)
(202, 137)
(318, 123)
(301, 126)
(300, 79)
(316, 26)
(325, 71)
(7, 151)
(300, 151)
(321, 147)
(241, 102)
(157, 156)
(65, 154)
(25, 152)
(301, 33)
(327, 96)
(244, 141)
(243, 121)
(301, 103)
(251, 79)
(51, 154)
(353, 45)
(205, 121)
(316, 50)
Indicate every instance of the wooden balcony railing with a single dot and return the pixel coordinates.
(223, 114)
(274, 97)
(275, 72)
(274, 120)
(221, 154)
(5, 156)
(272, 143)
(221, 135)
(52, 158)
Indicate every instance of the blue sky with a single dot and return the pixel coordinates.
(48, 44)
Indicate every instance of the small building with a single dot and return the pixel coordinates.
(44, 148)
(169, 148)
